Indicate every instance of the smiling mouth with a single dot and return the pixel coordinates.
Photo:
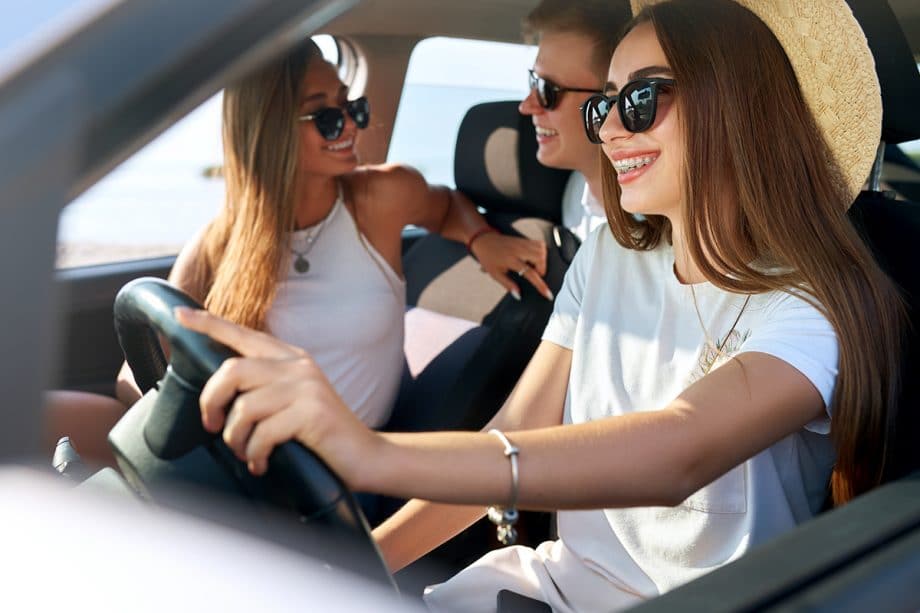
(629, 164)
(345, 144)
(545, 131)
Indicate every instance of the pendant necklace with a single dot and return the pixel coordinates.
(721, 346)
(301, 263)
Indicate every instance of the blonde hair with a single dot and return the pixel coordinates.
(243, 248)
(601, 21)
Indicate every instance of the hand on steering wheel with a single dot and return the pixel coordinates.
(274, 393)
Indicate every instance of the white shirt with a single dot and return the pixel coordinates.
(581, 211)
(637, 342)
(347, 312)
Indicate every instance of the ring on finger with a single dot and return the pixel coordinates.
(523, 270)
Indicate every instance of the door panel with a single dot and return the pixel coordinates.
(90, 355)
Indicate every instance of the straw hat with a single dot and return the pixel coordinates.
(836, 71)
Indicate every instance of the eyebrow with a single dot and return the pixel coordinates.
(648, 71)
(320, 96)
(323, 95)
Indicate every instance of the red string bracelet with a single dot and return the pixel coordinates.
(483, 230)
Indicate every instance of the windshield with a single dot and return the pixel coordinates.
(33, 26)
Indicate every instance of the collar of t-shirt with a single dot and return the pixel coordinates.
(592, 206)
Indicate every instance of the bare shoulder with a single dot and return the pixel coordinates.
(386, 189)
(390, 179)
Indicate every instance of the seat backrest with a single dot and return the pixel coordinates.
(892, 230)
(467, 340)
(891, 227)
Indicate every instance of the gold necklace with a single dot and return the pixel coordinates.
(709, 342)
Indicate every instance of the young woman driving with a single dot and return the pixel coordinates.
(708, 368)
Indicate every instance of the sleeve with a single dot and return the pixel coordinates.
(797, 333)
(560, 329)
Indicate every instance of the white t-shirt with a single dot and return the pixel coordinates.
(637, 342)
(581, 211)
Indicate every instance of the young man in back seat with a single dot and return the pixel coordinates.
(576, 40)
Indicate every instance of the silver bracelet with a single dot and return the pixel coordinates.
(504, 518)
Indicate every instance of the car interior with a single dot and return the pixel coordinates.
(467, 340)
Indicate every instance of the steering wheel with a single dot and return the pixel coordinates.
(161, 440)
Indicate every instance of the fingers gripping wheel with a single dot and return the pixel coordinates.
(173, 444)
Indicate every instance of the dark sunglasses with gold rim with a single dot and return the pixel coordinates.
(636, 103)
(548, 92)
(330, 121)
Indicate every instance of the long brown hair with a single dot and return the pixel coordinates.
(753, 145)
(243, 248)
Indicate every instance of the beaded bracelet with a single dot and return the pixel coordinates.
(483, 230)
(504, 518)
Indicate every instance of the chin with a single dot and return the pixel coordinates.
(551, 160)
(636, 205)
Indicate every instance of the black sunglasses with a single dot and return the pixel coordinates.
(637, 104)
(330, 121)
(548, 92)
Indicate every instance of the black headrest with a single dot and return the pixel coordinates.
(496, 165)
(897, 71)
(891, 228)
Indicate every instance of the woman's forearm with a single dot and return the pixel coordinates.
(461, 220)
(419, 527)
(558, 465)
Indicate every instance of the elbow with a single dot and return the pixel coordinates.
(670, 492)
(685, 478)
(682, 490)
(706, 485)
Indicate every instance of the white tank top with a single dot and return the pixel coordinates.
(346, 311)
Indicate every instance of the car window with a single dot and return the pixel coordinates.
(445, 77)
(912, 149)
(156, 200)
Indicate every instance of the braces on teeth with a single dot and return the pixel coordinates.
(622, 166)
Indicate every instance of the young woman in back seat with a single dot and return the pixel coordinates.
(708, 368)
(308, 245)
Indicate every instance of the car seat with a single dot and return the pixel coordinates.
(891, 227)
(901, 173)
(467, 339)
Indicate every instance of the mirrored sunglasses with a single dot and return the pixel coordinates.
(548, 92)
(637, 104)
(330, 121)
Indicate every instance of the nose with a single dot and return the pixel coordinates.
(530, 105)
(612, 127)
(349, 125)
(349, 120)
